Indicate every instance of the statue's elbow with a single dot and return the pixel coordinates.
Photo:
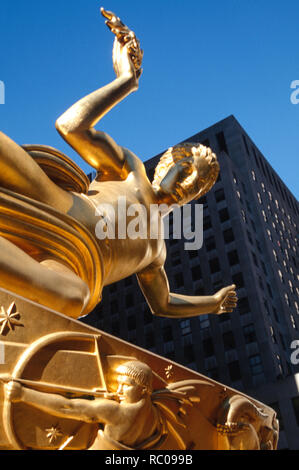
(159, 311)
(64, 127)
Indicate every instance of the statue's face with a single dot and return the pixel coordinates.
(128, 391)
(186, 178)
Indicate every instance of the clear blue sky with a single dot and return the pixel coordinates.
(203, 60)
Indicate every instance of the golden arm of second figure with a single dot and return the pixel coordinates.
(185, 172)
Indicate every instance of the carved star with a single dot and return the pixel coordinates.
(8, 318)
(53, 433)
(169, 371)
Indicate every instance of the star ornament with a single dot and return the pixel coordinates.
(53, 433)
(169, 371)
(8, 318)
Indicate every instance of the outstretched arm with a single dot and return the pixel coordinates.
(76, 125)
(154, 285)
(100, 410)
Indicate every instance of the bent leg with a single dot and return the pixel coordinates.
(49, 284)
(20, 173)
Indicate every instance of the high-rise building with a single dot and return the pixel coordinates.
(250, 223)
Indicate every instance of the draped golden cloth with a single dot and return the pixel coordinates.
(45, 233)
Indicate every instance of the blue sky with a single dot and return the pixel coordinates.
(203, 60)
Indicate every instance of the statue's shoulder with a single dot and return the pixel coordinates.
(132, 162)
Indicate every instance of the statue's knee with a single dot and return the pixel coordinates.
(75, 298)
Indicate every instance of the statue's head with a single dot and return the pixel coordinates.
(134, 380)
(186, 171)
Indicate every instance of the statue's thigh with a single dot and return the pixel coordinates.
(21, 174)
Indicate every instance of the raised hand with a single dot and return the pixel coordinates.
(171, 184)
(127, 54)
(226, 299)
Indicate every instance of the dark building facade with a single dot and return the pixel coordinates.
(250, 223)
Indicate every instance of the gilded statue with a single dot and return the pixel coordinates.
(246, 426)
(41, 263)
(65, 385)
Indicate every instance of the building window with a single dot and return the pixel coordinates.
(243, 215)
(149, 339)
(200, 291)
(206, 143)
(243, 305)
(238, 280)
(204, 322)
(219, 195)
(255, 259)
(115, 327)
(221, 142)
(188, 354)
(269, 290)
(261, 283)
(179, 279)
(245, 143)
(275, 314)
(128, 281)
(266, 306)
(131, 322)
(214, 265)
(196, 273)
(185, 327)
(264, 268)
(276, 408)
(249, 333)
(168, 347)
(213, 373)
(273, 335)
(210, 243)
(208, 347)
(253, 225)
(129, 300)
(175, 258)
(234, 371)
(295, 403)
(293, 322)
(217, 285)
(113, 307)
(147, 316)
(207, 222)
(233, 257)
(167, 333)
(170, 355)
(255, 363)
(228, 340)
(192, 254)
(228, 235)
(223, 215)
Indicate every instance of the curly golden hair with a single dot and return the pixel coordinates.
(180, 151)
(139, 372)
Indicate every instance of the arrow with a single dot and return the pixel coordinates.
(58, 388)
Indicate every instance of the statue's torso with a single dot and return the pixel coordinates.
(111, 203)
